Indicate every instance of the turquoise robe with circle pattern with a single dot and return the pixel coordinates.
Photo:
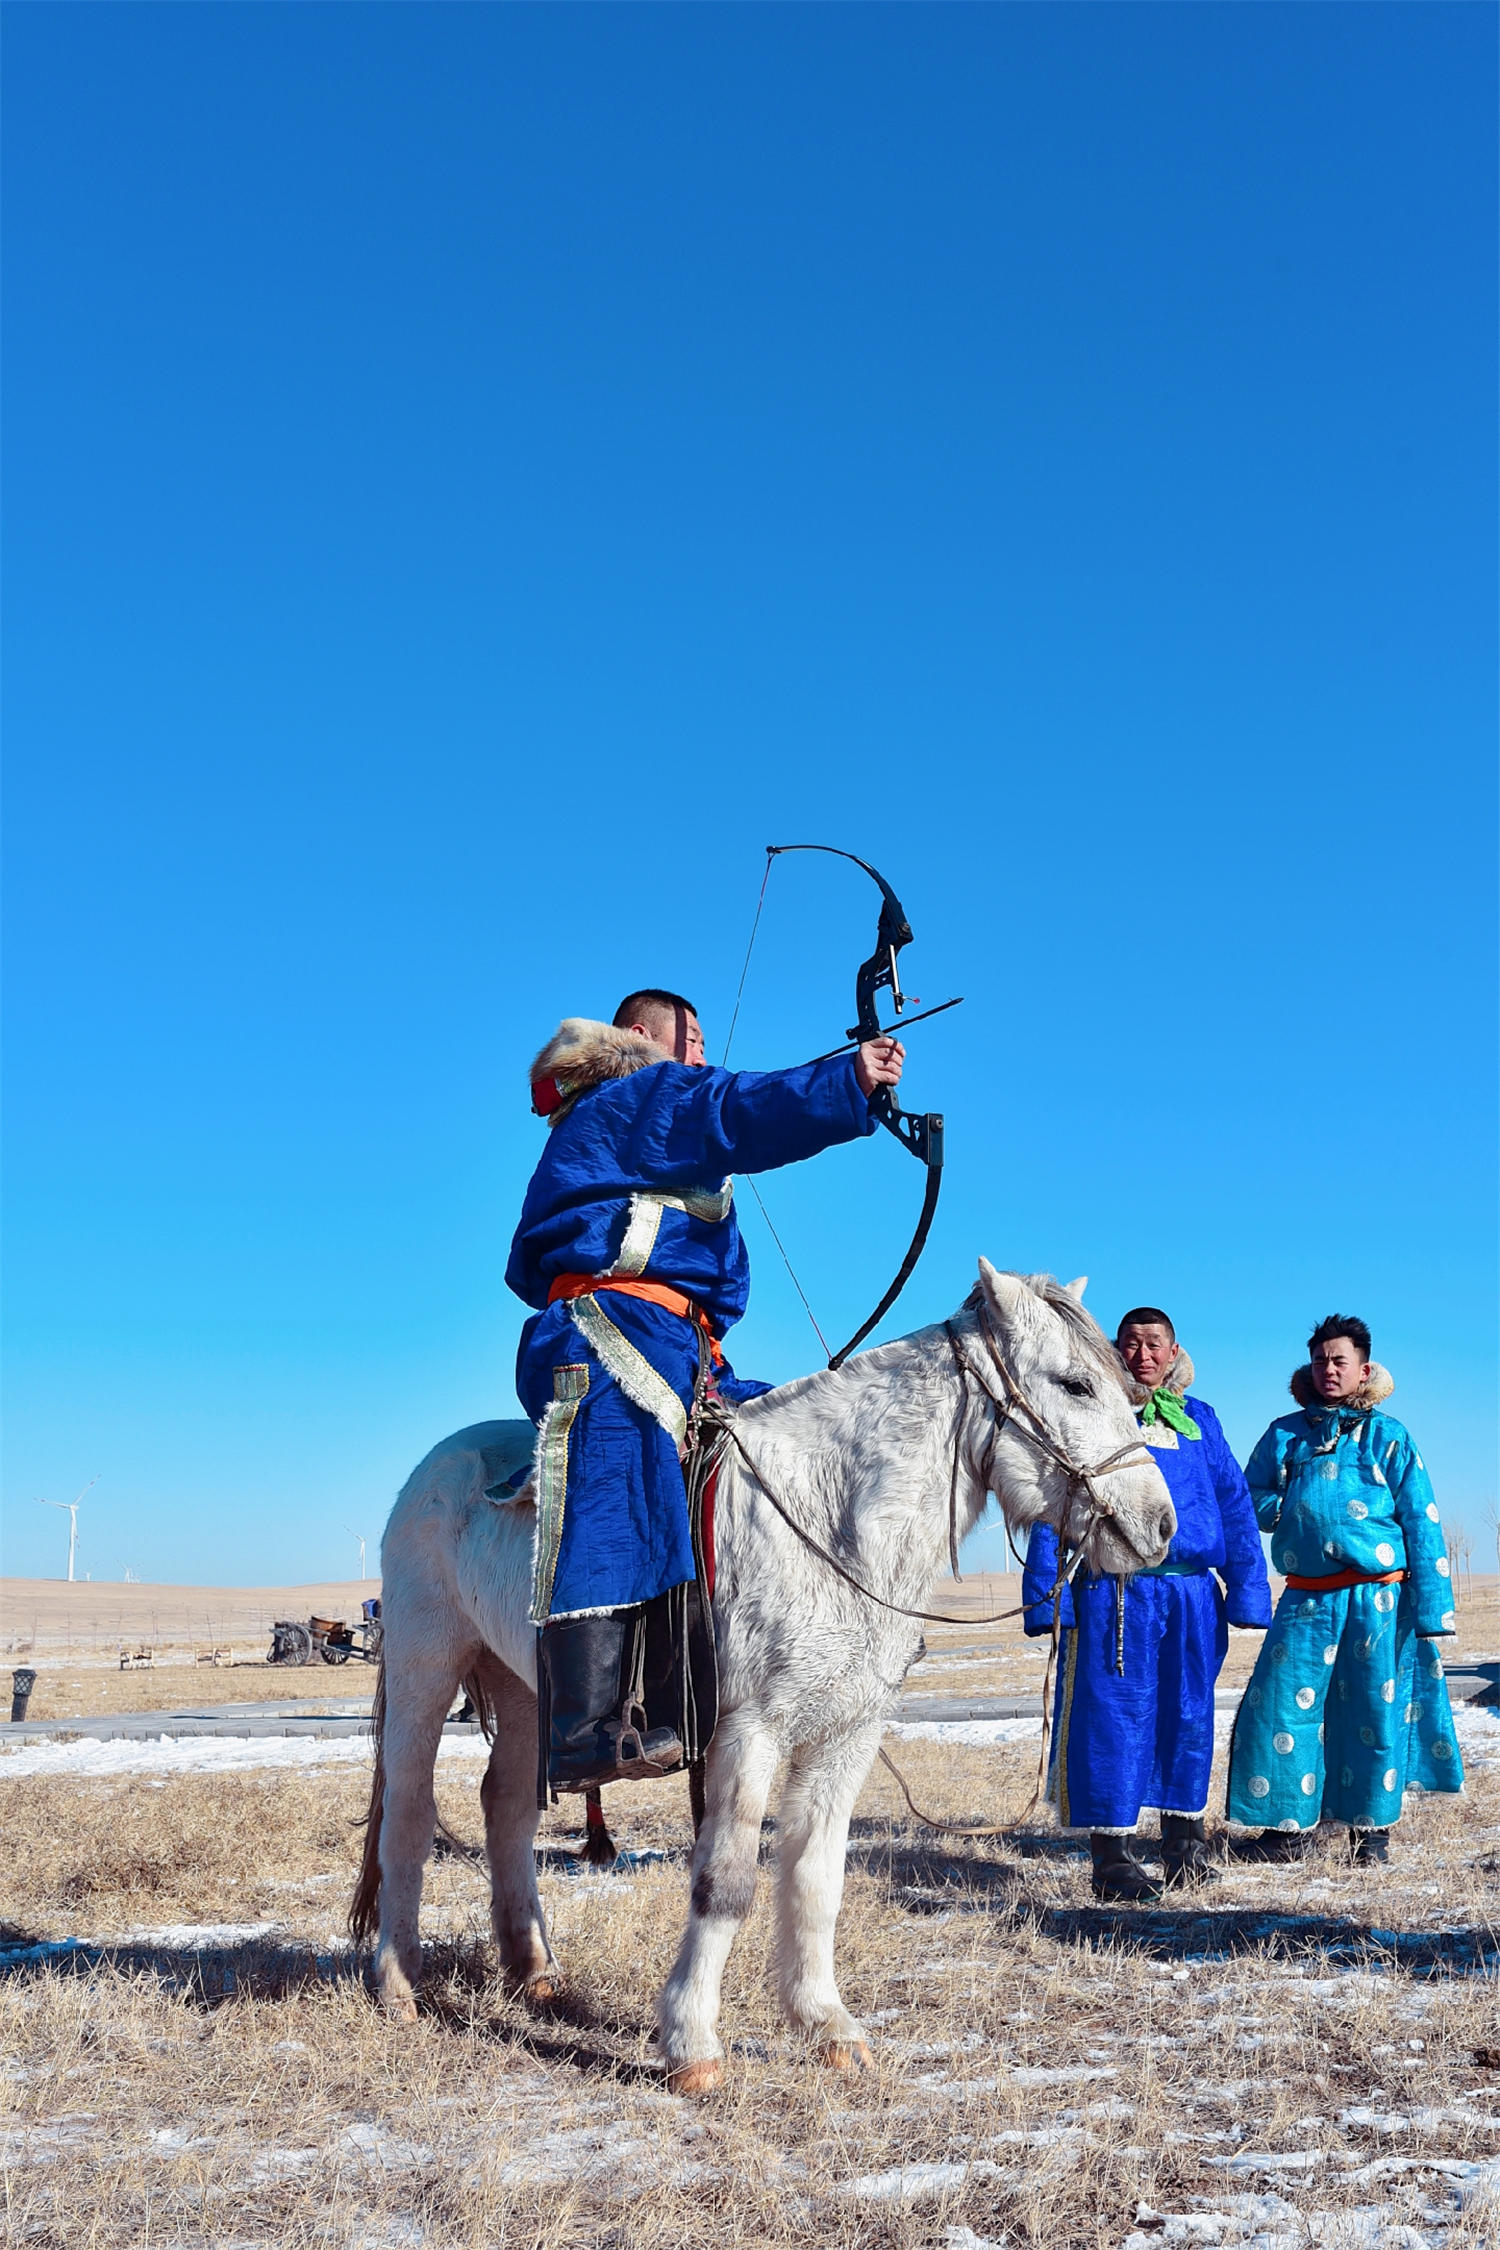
(1347, 1707)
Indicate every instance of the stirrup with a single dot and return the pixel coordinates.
(642, 1753)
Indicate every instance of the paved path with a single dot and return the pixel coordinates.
(350, 1715)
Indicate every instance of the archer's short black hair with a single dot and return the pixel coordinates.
(1337, 1324)
(1142, 1317)
(649, 996)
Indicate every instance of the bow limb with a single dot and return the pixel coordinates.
(914, 1251)
(921, 1135)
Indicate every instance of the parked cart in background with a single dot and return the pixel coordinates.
(293, 1642)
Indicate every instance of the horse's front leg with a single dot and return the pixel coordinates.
(741, 1765)
(814, 1837)
(508, 1794)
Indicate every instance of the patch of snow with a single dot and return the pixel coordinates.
(88, 1760)
(40, 2144)
(1478, 1735)
(910, 2183)
(276, 2163)
(195, 1935)
(1034, 2075)
(1365, 2227)
(171, 2140)
(383, 2150)
(969, 1734)
(575, 2155)
(1416, 2120)
(912, 2048)
(1254, 2160)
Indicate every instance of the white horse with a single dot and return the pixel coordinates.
(878, 1464)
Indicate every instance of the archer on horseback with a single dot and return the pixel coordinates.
(629, 1248)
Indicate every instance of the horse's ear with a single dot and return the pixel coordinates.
(1075, 1289)
(1005, 1291)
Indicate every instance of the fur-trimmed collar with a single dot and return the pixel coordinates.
(1180, 1377)
(582, 1054)
(1363, 1401)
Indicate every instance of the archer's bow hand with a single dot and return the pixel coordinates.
(879, 1063)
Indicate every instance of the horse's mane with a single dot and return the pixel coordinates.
(1088, 1338)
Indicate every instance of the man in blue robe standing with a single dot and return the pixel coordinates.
(1140, 1656)
(629, 1248)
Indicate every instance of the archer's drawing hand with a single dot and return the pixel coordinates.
(879, 1063)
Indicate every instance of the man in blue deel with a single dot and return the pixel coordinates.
(1140, 1656)
(629, 1248)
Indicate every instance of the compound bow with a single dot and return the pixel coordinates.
(920, 1135)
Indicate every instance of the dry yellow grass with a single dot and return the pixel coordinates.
(1056, 2068)
(71, 1637)
(78, 1690)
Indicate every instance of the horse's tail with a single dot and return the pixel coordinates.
(364, 1909)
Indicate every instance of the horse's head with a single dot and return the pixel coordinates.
(1069, 1452)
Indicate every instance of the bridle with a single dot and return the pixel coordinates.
(1013, 1407)
(1016, 1408)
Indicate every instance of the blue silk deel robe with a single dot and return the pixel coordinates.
(634, 1183)
(1143, 1737)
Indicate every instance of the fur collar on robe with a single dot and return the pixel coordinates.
(581, 1054)
(1180, 1377)
(1363, 1401)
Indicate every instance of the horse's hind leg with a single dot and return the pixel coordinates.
(508, 1794)
(740, 1768)
(814, 1839)
(419, 1688)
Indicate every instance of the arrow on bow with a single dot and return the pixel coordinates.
(920, 1135)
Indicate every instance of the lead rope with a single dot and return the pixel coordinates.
(1039, 1788)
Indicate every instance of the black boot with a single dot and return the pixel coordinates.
(1370, 1847)
(593, 1722)
(1184, 1852)
(1118, 1875)
(1276, 1845)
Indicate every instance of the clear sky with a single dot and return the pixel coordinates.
(478, 474)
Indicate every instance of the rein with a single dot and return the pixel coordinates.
(1037, 1434)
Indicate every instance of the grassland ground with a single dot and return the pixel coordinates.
(1296, 2055)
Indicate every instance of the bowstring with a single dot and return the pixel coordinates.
(745, 969)
(791, 1269)
(724, 1064)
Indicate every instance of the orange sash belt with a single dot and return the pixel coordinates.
(1343, 1578)
(570, 1285)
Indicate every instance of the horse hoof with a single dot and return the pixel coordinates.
(695, 2079)
(539, 1992)
(400, 2011)
(846, 2054)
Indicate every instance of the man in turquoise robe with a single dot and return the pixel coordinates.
(1347, 1707)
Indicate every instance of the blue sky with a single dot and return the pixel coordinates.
(477, 475)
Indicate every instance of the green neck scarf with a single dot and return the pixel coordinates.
(1166, 1406)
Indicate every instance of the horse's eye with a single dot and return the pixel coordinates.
(1074, 1386)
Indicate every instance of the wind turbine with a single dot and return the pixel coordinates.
(72, 1511)
(353, 1534)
